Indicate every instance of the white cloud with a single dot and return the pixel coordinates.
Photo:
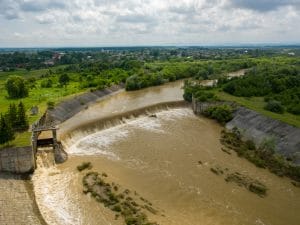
(140, 22)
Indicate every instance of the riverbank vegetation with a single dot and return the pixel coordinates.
(250, 184)
(84, 165)
(242, 180)
(278, 83)
(262, 156)
(270, 87)
(44, 78)
(221, 113)
(123, 202)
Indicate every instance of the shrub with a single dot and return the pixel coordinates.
(258, 188)
(84, 165)
(16, 87)
(64, 79)
(222, 113)
(264, 156)
(274, 106)
(50, 105)
(46, 83)
(250, 145)
(204, 96)
(132, 83)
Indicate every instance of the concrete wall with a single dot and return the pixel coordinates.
(17, 160)
(72, 106)
(22, 159)
(257, 127)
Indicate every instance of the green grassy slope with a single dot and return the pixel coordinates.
(257, 104)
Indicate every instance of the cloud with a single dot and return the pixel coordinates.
(135, 18)
(264, 5)
(65, 22)
(40, 5)
(9, 9)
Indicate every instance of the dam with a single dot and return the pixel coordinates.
(151, 143)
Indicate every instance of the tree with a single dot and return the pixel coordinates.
(222, 113)
(22, 122)
(64, 79)
(16, 87)
(6, 132)
(274, 106)
(12, 115)
(46, 83)
(132, 83)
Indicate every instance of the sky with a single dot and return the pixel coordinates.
(88, 23)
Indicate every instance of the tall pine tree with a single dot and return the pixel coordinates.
(6, 132)
(12, 115)
(22, 122)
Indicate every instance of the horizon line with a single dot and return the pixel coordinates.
(161, 45)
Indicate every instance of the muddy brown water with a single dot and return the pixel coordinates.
(158, 157)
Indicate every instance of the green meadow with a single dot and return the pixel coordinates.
(257, 104)
(37, 97)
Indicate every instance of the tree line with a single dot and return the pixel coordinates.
(156, 74)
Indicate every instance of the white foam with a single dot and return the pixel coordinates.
(100, 142)
(175, 114)
(57, 205)
(146, 123)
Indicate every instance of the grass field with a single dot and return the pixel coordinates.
(37, 97)
(257, 104)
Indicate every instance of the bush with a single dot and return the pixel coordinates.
(46, 83)
(250, 145)
(204, 96)
(264, 156)
(64, 79)
(222, 113)
(132, 83)
(258, 188)
(16, 87)
(50, 105)
(84, 165)
(275, 106)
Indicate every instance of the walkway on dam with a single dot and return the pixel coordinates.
(17, 206)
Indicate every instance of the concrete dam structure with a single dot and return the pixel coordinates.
(151, 143)
(258, 128)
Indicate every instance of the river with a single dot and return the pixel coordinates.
(166, 158)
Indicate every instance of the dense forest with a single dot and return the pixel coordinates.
(278, 83)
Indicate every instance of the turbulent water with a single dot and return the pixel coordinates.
(158, 157)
